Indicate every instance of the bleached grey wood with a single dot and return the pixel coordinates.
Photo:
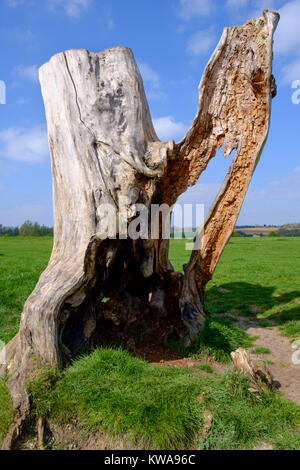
(101, 136)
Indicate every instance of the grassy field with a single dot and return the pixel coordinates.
(256, 278)
(22, 260)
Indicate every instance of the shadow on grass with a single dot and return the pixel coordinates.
(233, 308)
(254, 301)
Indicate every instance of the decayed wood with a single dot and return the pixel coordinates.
(259, 375)
(41, 432)
(104, 150)
(234, 111)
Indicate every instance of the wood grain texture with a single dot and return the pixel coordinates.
(101, 139)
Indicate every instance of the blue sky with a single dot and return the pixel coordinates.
(172, 41)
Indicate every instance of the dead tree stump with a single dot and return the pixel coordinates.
(104, 151)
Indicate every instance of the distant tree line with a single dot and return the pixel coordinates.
(28, 229)
(283, 232)
(279, 233)
(9, 231)
(34, 229)
(251, 235)
(255, 226)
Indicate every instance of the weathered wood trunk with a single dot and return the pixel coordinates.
(104, 150)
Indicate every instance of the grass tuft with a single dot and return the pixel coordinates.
(290, 329)
(205, 368)
(111, 391)
(115, 392)
(261, 350)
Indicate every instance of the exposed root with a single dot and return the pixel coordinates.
(20, 398)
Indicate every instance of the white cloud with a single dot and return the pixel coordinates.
(267, 5)
(287, 37)
(110, 24)
(24, 145)
(17, 35)
(72, 8)
(201, 193)
(29, 72)
(14, 3)
(157, 95)
(236, 3)
(201, 42)
(152, 81)
(22, 101)
(241, 8)
(287, 40)
(275, 203)
(188, 9)
(287, 188)
(291, 72)
(278, 202)
(266, 195)
(168, 129)
(259, 4)
(149, 75)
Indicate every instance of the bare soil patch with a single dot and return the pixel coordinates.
(285, 373)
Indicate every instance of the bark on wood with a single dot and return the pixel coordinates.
(104, 150)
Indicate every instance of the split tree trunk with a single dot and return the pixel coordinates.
(104, 150)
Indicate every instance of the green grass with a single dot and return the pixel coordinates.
(291, 329)
(6, 410)
(205, 368)
(115, 392)
(256, 277)
(159, 406)
(22, 261)
(242, 421)
(261, 350)
(162, 407)
(219, 337)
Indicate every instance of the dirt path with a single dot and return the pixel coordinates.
(284, 371)
(286, 374)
